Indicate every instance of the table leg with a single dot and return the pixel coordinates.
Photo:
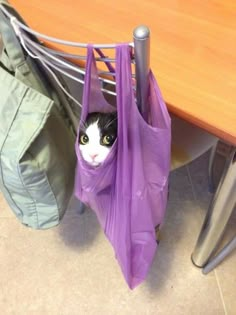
(210, 168)
(220, 257)
(218, 214)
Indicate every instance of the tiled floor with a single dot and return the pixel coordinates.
(71, 269)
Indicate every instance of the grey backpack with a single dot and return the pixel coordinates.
(37, 158)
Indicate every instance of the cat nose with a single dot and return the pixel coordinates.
(93, 156)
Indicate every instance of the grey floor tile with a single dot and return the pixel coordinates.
(226, 271)
(71, 269)
(198, 171)
(226, 277)
(5, 211)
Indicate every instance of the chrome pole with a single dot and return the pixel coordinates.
(141, 36)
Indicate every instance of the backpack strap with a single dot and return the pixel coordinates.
(12, 47)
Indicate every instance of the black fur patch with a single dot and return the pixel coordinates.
(107, 124)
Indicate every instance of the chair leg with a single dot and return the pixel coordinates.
(77, 205)
(218, 213)
(81, 208)
(220, 257)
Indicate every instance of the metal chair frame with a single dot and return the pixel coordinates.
(58, 60)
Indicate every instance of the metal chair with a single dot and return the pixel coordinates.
(185, 149)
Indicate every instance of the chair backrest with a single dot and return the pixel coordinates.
(67, 64)
(71, 66)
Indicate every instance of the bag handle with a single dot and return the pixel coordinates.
(87, 83)
(10, 41)
(107, 63)
(93, 99)
(124, 84)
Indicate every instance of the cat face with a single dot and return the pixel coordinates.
(97, 136)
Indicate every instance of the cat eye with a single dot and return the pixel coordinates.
(107, 140)
(84, 139)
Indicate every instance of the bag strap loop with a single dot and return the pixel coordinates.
(10, 41)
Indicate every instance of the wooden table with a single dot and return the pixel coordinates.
(193, 56)
(193, 47)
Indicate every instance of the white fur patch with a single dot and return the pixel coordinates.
(93, 152)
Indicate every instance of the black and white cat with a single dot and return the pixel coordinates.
(96, 137)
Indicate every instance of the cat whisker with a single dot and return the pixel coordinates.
(110, 122)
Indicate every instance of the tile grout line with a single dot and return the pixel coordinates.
(221, 293)
(191, 183)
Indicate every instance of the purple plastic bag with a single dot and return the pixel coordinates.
(128, 191)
